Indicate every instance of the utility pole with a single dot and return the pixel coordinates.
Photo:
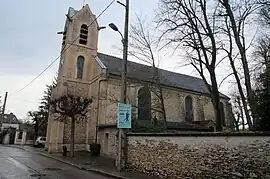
(4, 108)
(123, 98)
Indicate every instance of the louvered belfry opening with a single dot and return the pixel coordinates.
(83, 34)
(64, 37)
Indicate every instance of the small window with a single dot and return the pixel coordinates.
(80, 65)
(83, 34)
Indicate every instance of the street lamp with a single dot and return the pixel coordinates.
(123, 98)
(115, 28)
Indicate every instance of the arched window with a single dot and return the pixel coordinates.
(83, 34)
(144, 104)
(189, 109)
(80, 64)
(222, 113)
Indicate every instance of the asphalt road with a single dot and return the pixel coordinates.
(19, 164)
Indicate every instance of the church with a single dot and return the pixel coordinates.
(85, 72)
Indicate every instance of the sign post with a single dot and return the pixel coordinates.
(123, 122)
(124, 116)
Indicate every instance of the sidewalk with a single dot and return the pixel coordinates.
(84, 161)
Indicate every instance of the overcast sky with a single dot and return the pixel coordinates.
(29, 43)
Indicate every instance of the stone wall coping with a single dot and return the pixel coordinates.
(195, 134)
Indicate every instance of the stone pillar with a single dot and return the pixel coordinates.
(6, 139)
(60, 136)
(56, 137)
(52, 135)
(24, 137)
(16, 137)
(48, 133)
(91, 125)
(53, 139)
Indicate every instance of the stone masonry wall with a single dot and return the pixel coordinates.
(174, 103)
(200, 157)
(107, 140)
(80, 132)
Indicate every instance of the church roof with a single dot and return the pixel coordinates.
(71, 13)
(143, 72)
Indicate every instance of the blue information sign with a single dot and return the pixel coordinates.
(124, 116)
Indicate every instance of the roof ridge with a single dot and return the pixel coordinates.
(150, 66)
(141, 71)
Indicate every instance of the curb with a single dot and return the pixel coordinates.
(11, 146)
(82, 168)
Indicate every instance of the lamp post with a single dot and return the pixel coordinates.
(123, 98)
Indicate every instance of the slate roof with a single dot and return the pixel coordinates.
(9, 118)
(144, 73)
(71, 13)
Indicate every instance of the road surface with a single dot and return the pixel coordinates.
(19, 164)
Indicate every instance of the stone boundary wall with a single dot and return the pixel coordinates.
(200, 155)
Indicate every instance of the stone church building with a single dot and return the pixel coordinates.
(86, 72)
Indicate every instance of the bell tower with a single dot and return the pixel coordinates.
(79, 45)
(77, 61)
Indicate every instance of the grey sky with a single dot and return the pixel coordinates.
(28, 42)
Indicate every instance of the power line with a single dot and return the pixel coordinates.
(65, 49)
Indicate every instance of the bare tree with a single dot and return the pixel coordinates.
(262, 50)
(265, 14)
(237, 109)
(75, 108)
(240, 112)
(1, 107)
(191, 24)
(228, 48)
(145, 47)
(238, 13)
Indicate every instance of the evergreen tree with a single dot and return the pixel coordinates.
(45, 104)
(263, 102)
(40, 117)
(262, 90)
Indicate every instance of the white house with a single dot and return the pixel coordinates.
(9, 124)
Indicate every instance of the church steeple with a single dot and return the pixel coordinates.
(79, 44)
